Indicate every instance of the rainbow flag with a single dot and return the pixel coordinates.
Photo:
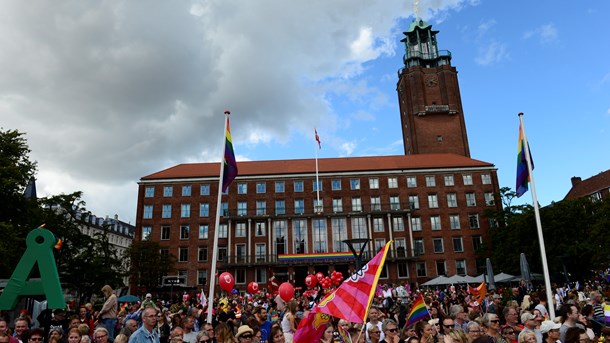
(523, 176)
(418, 311)
(351, 300)
(230, 168)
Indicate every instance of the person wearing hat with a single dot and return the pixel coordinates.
(148, 302)
(550, 331)
(244, 334)
(529, 325)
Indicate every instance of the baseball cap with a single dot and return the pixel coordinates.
(148, 295)
(549, 325)
(527, 316)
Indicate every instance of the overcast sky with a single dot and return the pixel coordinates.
(110, 91)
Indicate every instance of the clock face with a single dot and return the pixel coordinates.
(431, 81)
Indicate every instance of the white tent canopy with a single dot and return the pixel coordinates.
(457, 279)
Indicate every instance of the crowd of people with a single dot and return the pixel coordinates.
(511, 315)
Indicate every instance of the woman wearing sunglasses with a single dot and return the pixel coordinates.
(390, 330)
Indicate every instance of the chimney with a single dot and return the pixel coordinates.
(576, 180)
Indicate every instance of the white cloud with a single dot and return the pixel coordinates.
(546, 33)
(347, 148)
(364, 116)
(492, 53)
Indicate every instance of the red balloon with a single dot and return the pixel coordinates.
(311, 281)
(226, 281)
(286, 291)
(253, 288)
(319, 276)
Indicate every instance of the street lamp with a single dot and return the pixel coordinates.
(357, 254)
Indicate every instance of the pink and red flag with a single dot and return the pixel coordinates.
(318, 139)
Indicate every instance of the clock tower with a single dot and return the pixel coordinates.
(429, 96)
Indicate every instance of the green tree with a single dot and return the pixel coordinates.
(148, 265)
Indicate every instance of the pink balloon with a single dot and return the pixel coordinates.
(226, 281)
(286, 291)
(311, 281)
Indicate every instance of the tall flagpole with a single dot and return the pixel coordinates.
(212, 277)
(545, 267)
(317, 180)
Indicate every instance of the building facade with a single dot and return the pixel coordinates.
(277, 220)
(596, 187)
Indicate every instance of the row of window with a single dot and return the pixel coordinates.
(337, 205)
(336, 185)
(260, 274)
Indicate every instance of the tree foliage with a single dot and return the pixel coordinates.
(574, 231)
(148, 265)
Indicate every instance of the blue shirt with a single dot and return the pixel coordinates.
(265, 330)
(142, 335)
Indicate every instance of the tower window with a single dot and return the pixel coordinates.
(439, 138)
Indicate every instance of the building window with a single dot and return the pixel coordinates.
(318, 205)
(471, 201)
(240, 230)
(165, 232)
(356, 205)
(261, 251)
(338, 205)
(240, 253)
(167, 211)
(319, 236)
(183, 274)
(458, 245)
(403, 270)
(454, 221)
(240, 276)
(411, 181)
(184, 231)
(339, 228)
(451, 200)
(474, 221)
(336, 185)
(354, 184)
(202, 277)
(222, 231)
(280, 207)
(183, 254)
(146, 230)
(379, 244)
(204, 209)
(438, 245)
(260, 229)
(493, 222)
(299, 206)
(477, 243)
(261, 207)
(149, 192)
(460, 267)
(435, 222)
(392, 182)
(415, 223)
(489, 199)
(186, 191)
(414, 202)
(467, 179)
(398, 224)
(202, 254)
(242, 208)
(441, 268)
(279, 186)
(317, 186)
(148, 212)
(224, 209)
(378, 225)
(298, 186)
(375, 204)
(261, 187)
(430, 181)
(486, 179)
(167, 191)
(299, 233)
(420, 267)
(242, 188)
(418, 245)
(281, 236)
(432, 201)
(261, 276)
(394, 203)
(401, 247)
(449, 180)
(374, 183)
(222, 254)
(203, 231)
(205, 189)
(185, 210)
(359, 230)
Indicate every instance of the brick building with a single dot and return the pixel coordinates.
(596, 187)
(430, 201)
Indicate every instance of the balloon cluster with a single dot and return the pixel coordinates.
(336, 278)
(325, 282)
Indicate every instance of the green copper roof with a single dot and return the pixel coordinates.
(419, 23)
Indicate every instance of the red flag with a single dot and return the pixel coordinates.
(318, 139)
(312, 327)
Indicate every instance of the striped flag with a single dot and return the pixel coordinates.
(203, 299)
(311, 328)
(318, 139)
(523, 175)
(230, 168)
(418, 311)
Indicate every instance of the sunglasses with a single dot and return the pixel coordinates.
(393, 330)
(36, 339)
(246, 336)
(204, 341)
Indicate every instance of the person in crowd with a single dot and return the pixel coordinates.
(147, 333)
(100, 335)
(455, 335)
(120, 338)
(576, 334)
(56, 334)
(511, 319)
(508, 333)
(277, 335)
(529, 325)
(131, 325)
(373, 320)
(460, 317)
(163, 327)
(491, 322)
(570, 314)
(407, 332)
(74, 335)
(189, 335)
(260, 313)
(108, 314)
(527, 337)
(36, 335)
(390, 331)
(4, 329)
(288, 323)
(448, 324)
(425, 332)
(473, 330)
(177, 332)
(21, 327)
(244, 334)
(327, 336)
(203, 337)
(224, 334)
(211, 333)
(149, 302)
(550, 331)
